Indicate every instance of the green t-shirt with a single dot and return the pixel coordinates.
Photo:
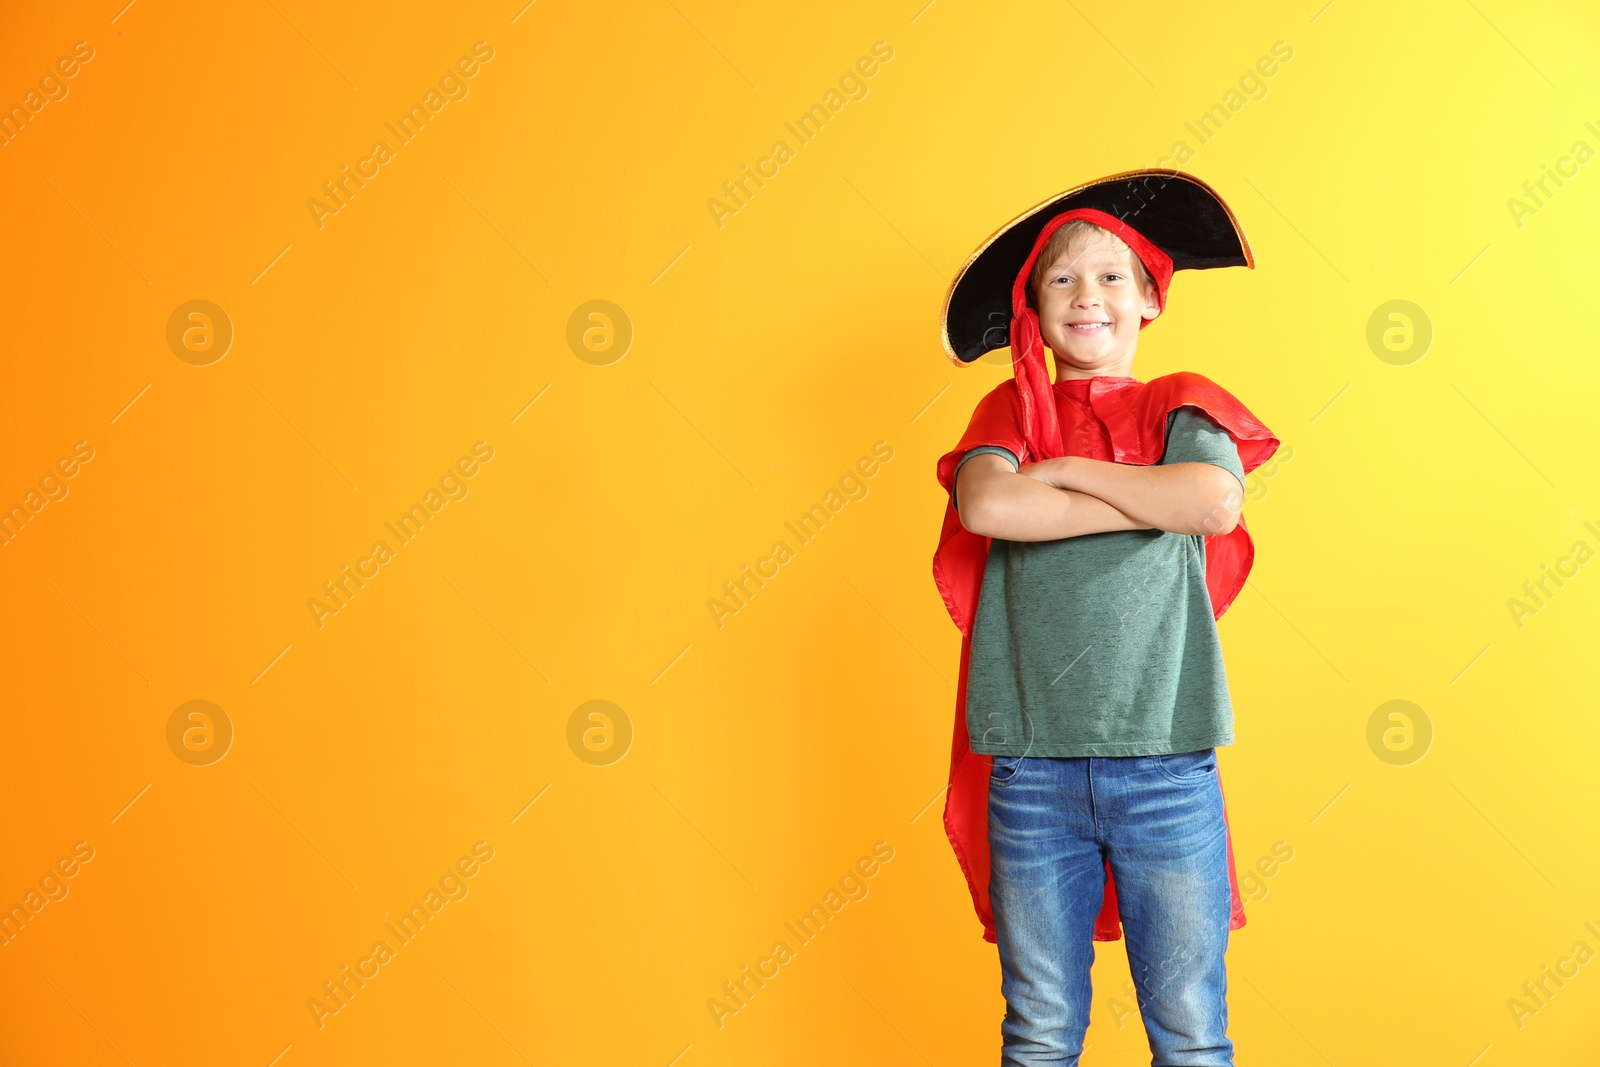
(1103, 644)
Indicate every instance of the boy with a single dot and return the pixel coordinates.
(1092, 677)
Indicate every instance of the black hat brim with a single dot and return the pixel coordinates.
(1179, 213)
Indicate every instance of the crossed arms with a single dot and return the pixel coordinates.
(1073, 495)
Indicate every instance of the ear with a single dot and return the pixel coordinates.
(1151, 308)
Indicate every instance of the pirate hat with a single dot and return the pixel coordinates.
(1172, 220)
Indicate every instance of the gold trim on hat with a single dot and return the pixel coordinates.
(944, 312)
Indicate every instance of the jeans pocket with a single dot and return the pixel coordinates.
(1188, 768)
(1005, 769)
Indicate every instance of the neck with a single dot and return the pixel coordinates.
(1121, 369)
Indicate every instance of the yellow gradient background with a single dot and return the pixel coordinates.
(769, 354)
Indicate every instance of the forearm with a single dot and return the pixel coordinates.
(1021, 508)
(1188, 498)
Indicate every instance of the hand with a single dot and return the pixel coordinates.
(1056, 473)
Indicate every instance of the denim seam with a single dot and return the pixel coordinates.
(1183, 779)
(1009, 780)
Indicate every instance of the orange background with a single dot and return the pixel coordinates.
(770, 353)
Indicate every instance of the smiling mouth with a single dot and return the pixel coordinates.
(1087, 327)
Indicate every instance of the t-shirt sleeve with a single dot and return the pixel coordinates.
(994, 423)
(1195, 437)
(995, 450)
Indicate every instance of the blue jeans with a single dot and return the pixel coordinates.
(1053, 824)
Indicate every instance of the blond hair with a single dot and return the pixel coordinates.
(1063, 239)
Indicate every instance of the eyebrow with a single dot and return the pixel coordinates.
(1098, 264)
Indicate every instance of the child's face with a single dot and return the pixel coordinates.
(1096, 285)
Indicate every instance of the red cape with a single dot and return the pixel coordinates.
(1108, 418)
